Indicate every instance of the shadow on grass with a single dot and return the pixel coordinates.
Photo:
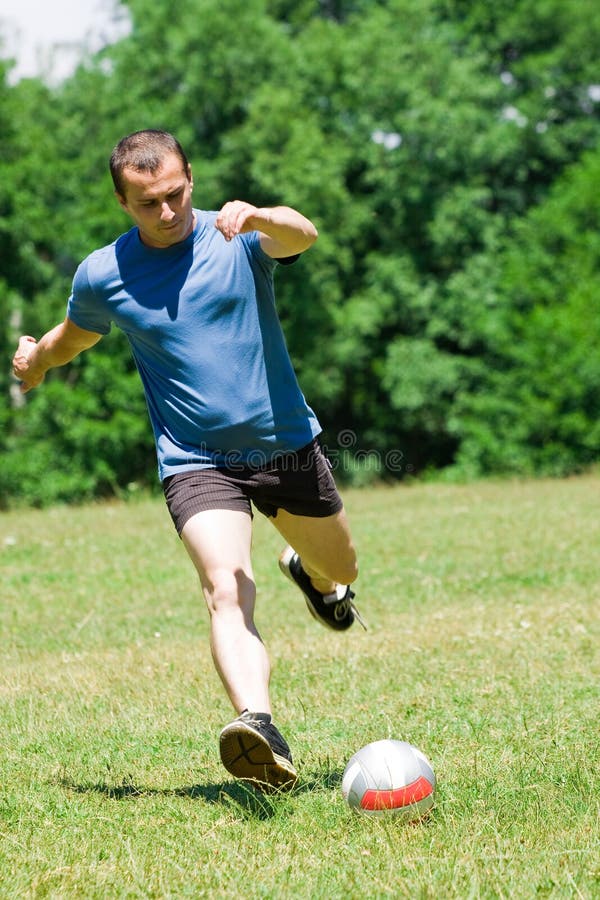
(249, 801)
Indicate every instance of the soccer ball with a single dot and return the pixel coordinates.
(390, 777)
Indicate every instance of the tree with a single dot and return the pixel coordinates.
(420, 136)
(536, 405)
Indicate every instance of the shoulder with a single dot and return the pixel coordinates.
(102, 265)
(205, 218)
(207, 235)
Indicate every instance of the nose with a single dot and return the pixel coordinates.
(166, 213)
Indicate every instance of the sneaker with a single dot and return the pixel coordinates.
(253, 749)
(336, 610)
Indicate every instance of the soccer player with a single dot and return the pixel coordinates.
(193, 292)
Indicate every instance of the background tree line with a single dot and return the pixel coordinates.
(448, 151)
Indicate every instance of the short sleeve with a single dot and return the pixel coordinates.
(84, 308)
(287, 260)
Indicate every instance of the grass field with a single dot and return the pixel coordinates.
(483, 650)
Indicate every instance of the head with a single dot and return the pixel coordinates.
(153, 184)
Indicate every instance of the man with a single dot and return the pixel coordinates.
(193, 292)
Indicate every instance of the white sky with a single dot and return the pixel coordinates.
(45, 36)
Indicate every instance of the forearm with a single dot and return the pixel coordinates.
(283, 231)
(51, 351)
(56, 348)
(286, 227)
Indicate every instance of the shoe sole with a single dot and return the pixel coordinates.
(246, 754)
(284, 565)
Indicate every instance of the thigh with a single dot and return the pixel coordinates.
(218, 542)
(323, 543)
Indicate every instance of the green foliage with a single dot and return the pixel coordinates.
(536, 407)
(445, 151)
(101, 443)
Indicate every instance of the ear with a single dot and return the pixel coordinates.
(122, 201)
(190, 176)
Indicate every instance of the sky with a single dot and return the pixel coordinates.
(45, 37)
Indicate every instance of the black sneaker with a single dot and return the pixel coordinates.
(336, 610)
(252, 748)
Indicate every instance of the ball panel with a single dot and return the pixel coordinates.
(354, 783)
(350, 773)
(399, 797)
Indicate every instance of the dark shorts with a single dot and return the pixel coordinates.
(300, 482)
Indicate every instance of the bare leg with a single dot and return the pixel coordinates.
(218, 542)
(324, 546)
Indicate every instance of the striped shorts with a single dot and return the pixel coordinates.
(302, 483)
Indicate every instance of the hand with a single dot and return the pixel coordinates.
(234, 218)
(22, 369)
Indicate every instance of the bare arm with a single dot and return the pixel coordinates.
(283, 230)
(57, 347)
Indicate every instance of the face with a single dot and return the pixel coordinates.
(160, 204)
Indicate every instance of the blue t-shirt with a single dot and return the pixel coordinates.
(201, 320)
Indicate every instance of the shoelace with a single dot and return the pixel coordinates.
(343, 605)
(264, 725)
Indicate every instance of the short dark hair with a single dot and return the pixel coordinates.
(143, 151)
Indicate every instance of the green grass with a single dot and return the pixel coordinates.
(483, 650)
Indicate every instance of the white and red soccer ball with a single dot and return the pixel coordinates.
(389, 777)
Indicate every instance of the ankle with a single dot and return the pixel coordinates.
(323, 585)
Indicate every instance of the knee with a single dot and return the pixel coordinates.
(351, 573)
(226, 590)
